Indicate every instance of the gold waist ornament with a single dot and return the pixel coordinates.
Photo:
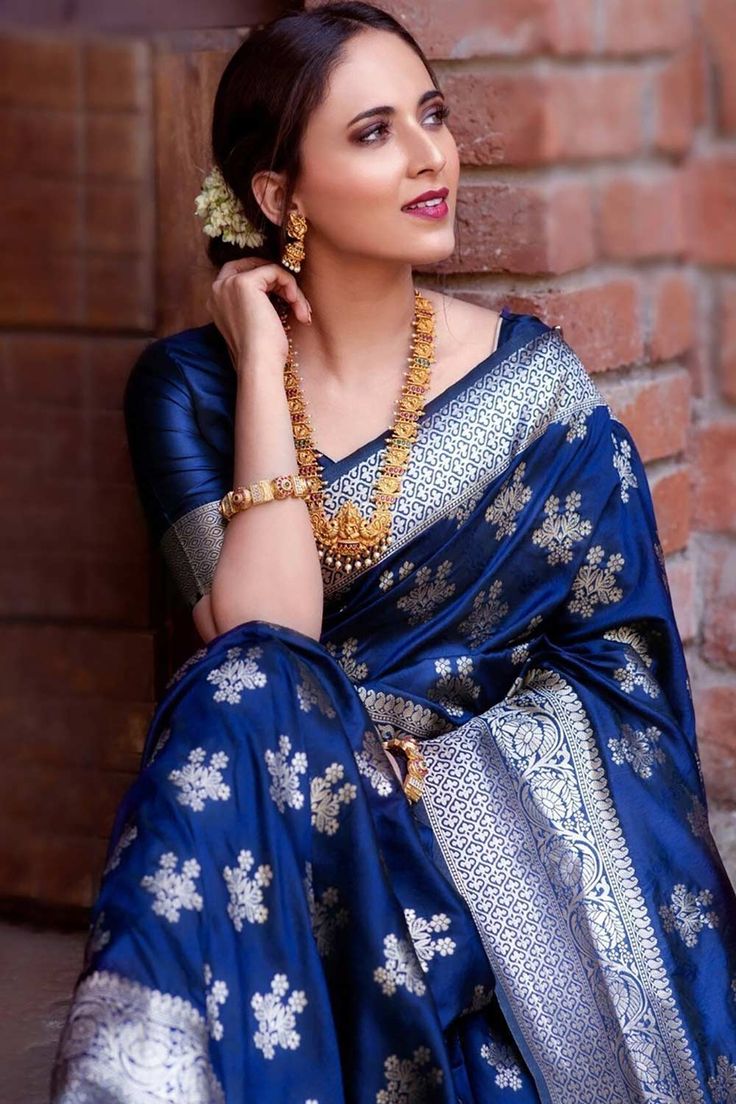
(417, 768)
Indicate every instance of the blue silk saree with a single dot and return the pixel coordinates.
(551, 921)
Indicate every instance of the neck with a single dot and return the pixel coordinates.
(361, 323)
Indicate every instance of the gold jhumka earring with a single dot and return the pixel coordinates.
(293, 254)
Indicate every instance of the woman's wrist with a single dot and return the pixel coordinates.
(259, 367)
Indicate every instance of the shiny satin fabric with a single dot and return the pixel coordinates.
(551, 922)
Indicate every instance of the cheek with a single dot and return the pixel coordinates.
(452, 166)
(365, 180)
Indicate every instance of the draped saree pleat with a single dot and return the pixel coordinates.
(551, 922)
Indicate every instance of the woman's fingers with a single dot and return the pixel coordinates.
(275, 277)
(241, 264)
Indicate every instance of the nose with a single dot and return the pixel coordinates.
(428, 151)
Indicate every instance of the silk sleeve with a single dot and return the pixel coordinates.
(180, 474)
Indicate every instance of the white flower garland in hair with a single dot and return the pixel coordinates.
(223, 214)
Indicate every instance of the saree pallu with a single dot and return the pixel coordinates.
(550, 922)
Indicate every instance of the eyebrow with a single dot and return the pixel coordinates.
(388, 110)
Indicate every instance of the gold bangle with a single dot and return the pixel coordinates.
(263, 490)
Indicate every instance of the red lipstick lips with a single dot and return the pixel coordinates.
(437, 208)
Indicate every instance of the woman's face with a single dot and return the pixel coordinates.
(356, 176)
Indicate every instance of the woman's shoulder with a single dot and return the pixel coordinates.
(539, 365)
(179, 358)
(181, 368)
(473, 322)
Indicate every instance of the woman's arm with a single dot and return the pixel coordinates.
(181, 476)
(268, 567)
(203, 619)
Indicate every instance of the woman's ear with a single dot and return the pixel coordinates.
(269, 189)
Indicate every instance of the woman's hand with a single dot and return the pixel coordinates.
(245, 316)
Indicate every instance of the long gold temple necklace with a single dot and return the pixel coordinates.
(349, 539)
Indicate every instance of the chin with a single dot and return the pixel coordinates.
(433, 253)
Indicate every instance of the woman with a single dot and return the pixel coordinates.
(423, 818)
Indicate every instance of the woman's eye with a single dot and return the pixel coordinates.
(441, 111)
(378, 129)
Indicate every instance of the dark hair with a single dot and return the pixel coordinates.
(268, 89)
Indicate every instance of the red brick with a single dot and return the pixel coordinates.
(675, 101)
(109, 446)
(119, 292)
(74, 588)
(40, 216)
(631, 27)
(715, 709)
(701, 357)
(92, 733)
(110, 360)
(601, 323)
(673, 507)
(77, 370)
(498, 118)
(701, 77)
(74, 661)
(51, 441)
(106, 519)
(525, 118)
(717, 24)
(714, 471)
(569, 27)
(718, 581)
(595, 114)
(116, 218)
(116, 74)
(656, 411)
(726, 344)
(39, 143)
(53, 869)
(59, 799)
(529, 228)
(43, 587)
(118, 593)
(44, 368)
(40, 291)
(115, 529)
(681, 579)
(710, 189)
(673, 321)
(641, 215)
(40, 70)
(476, 28)
(117, 146)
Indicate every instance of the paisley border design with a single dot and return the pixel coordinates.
(111, 1016)
(393, 714)
(617, 1034)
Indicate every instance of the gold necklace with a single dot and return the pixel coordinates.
(350, 540)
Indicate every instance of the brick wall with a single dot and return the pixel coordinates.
(598, 140)
(102, 143)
